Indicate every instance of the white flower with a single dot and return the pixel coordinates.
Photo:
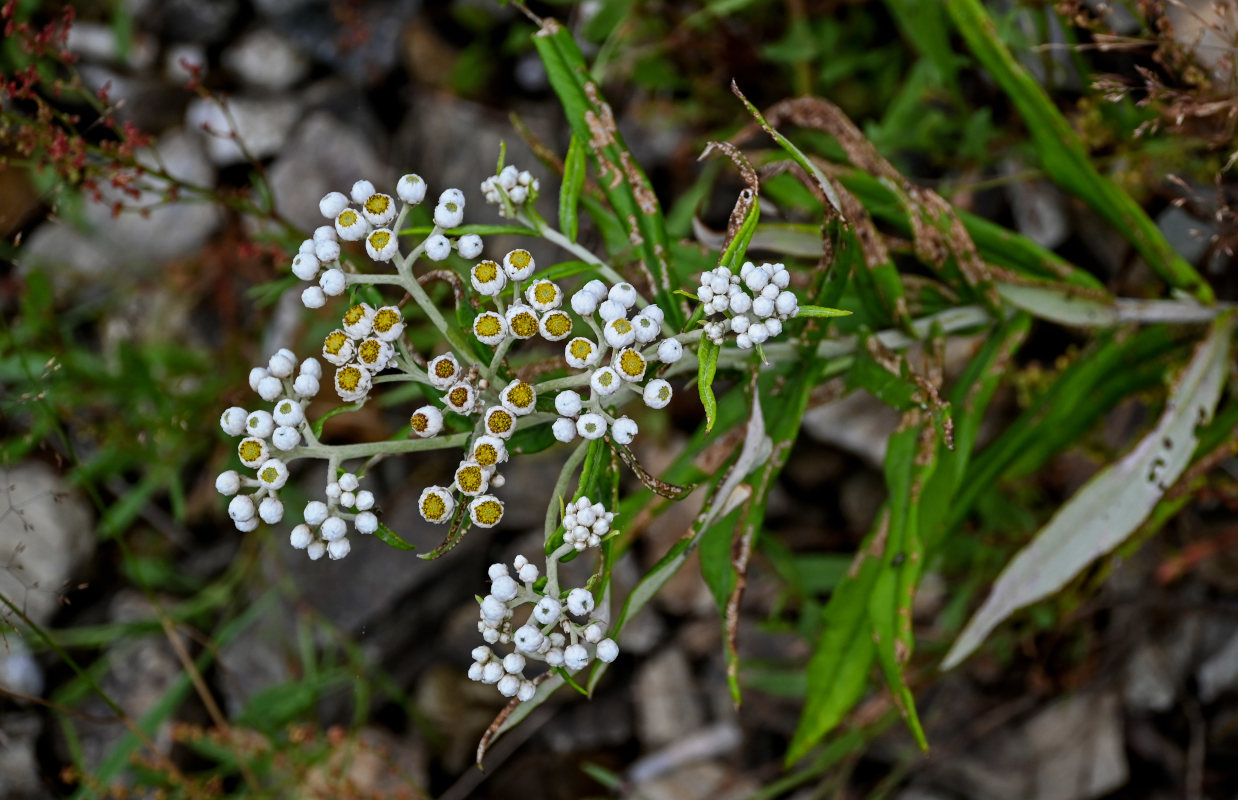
(461, 398)
(378, 209)
(273, 473)
(757, 333)
(365, 522)
(271, 510)
(381, 245)
(519, 264)
(286, 437)
(486, 511)
(313, 297)
(305, 266)
(300, 537)
(471, 478)
(306, 248)
(544, 295)
(358, 321)
(270, 388)
(576, 657)
(333, 490)
(743, 341)
(555, 326)
(591, 426)
(426, 421)
(327, 251)
(325, 233)
(492, 672)
(508, 685)
(332, 282)
(763, 307)
(522, 322)
(338, 348)
(568, 403)
(500, 422)
(605, 381)
(489, 451)
(333, 528)
(443, 371)
(580, 353)
(228, 483)
(331, 204)
(338, 549)
(411, 189)
(288, 412)
(504, 588)
(233, 420)
(374, 354)
(657, 393)
(654, 313)
(248, 525)
(564, 429)
(579, 602)
(351, 226)
(488, 278)
(349, 482)
(519, 397)
(554, 656)
(449, 213)
(311, 367)
(241, 508)
(547, 610)
(584, 302)
(281, 365)
(740, 303)
(469, 245)
(507, 177)
(594, 632)
(527, 572)
(388, 323)
(624, 294)
(611, 310)
(630, 364)
(607, 650)
(365, 500)
(352, 383)
(361, 190)
(786, 304)
(619, 333)
(436, 504)
(490, 328)
(526, 692)
(527, 639)
(597, 289)
(252, 451)
(437, 247)
(624, 430)
(645, 328)
(773, 326)
(316, 550)
(314, 513)
(670, 351)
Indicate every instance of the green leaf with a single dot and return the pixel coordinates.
(1114, 503)
(391, 538)
(316, 425)
(819, 311)
(707, 367)
(1063, 154)
(573, 185)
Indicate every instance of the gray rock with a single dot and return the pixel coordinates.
(1186, 234)
(1039, 208)
(316, 28)
(1219, 673)
(179, 57)
(1149, 683)
(667, 709)
(19, 672)
(197, 20)
(323, 155)
(46, 538)
(262, 125)
(857, 423)
(95, 41)
(266, 60)
(19, 763)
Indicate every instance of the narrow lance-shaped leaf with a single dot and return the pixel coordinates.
(573, 185)
(707, 367)
(1114, 503)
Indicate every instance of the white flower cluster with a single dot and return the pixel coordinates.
(325, 529)
(635, 345)
(516, 187)
(375, 219)
(362, 347)
(266, 434)
(537, 313)
(563, 629)
(757, 301)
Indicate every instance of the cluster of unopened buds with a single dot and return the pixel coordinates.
(510, 190)
(754, 303)
(563, 629)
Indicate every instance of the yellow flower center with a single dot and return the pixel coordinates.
(488, 512)
(664, 393)
(458, 397)
(524, 324)
(486, 454)
(582, 348)
(545, 292)
(520, 258)
(270, 475)
(370, 350)
(488, 325)
(486, 271)
(469, 478)
(285, 407)
(631, 363)
(335, 342)
(621, 325)
(418, 422)
(499, 421)
(250, 450)
(433, 507)
(354, 315)
(378, 204)
(348, 218)
(558, 324)
(445, 368)
(386, 319)
(606, 378)
(379, 239)
(521, 395)
(348, 378)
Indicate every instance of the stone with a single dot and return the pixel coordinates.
(323, 155)
(46, 538)
(705, 781)
(363, 45)
(1219, 673)
(667, 707)
(197, 20)
(1185, 233)
(182, 59)
(264, 59)
(19, 762)
(1039, 208)
(1149, 683)
(19, 672)
(261, 124)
